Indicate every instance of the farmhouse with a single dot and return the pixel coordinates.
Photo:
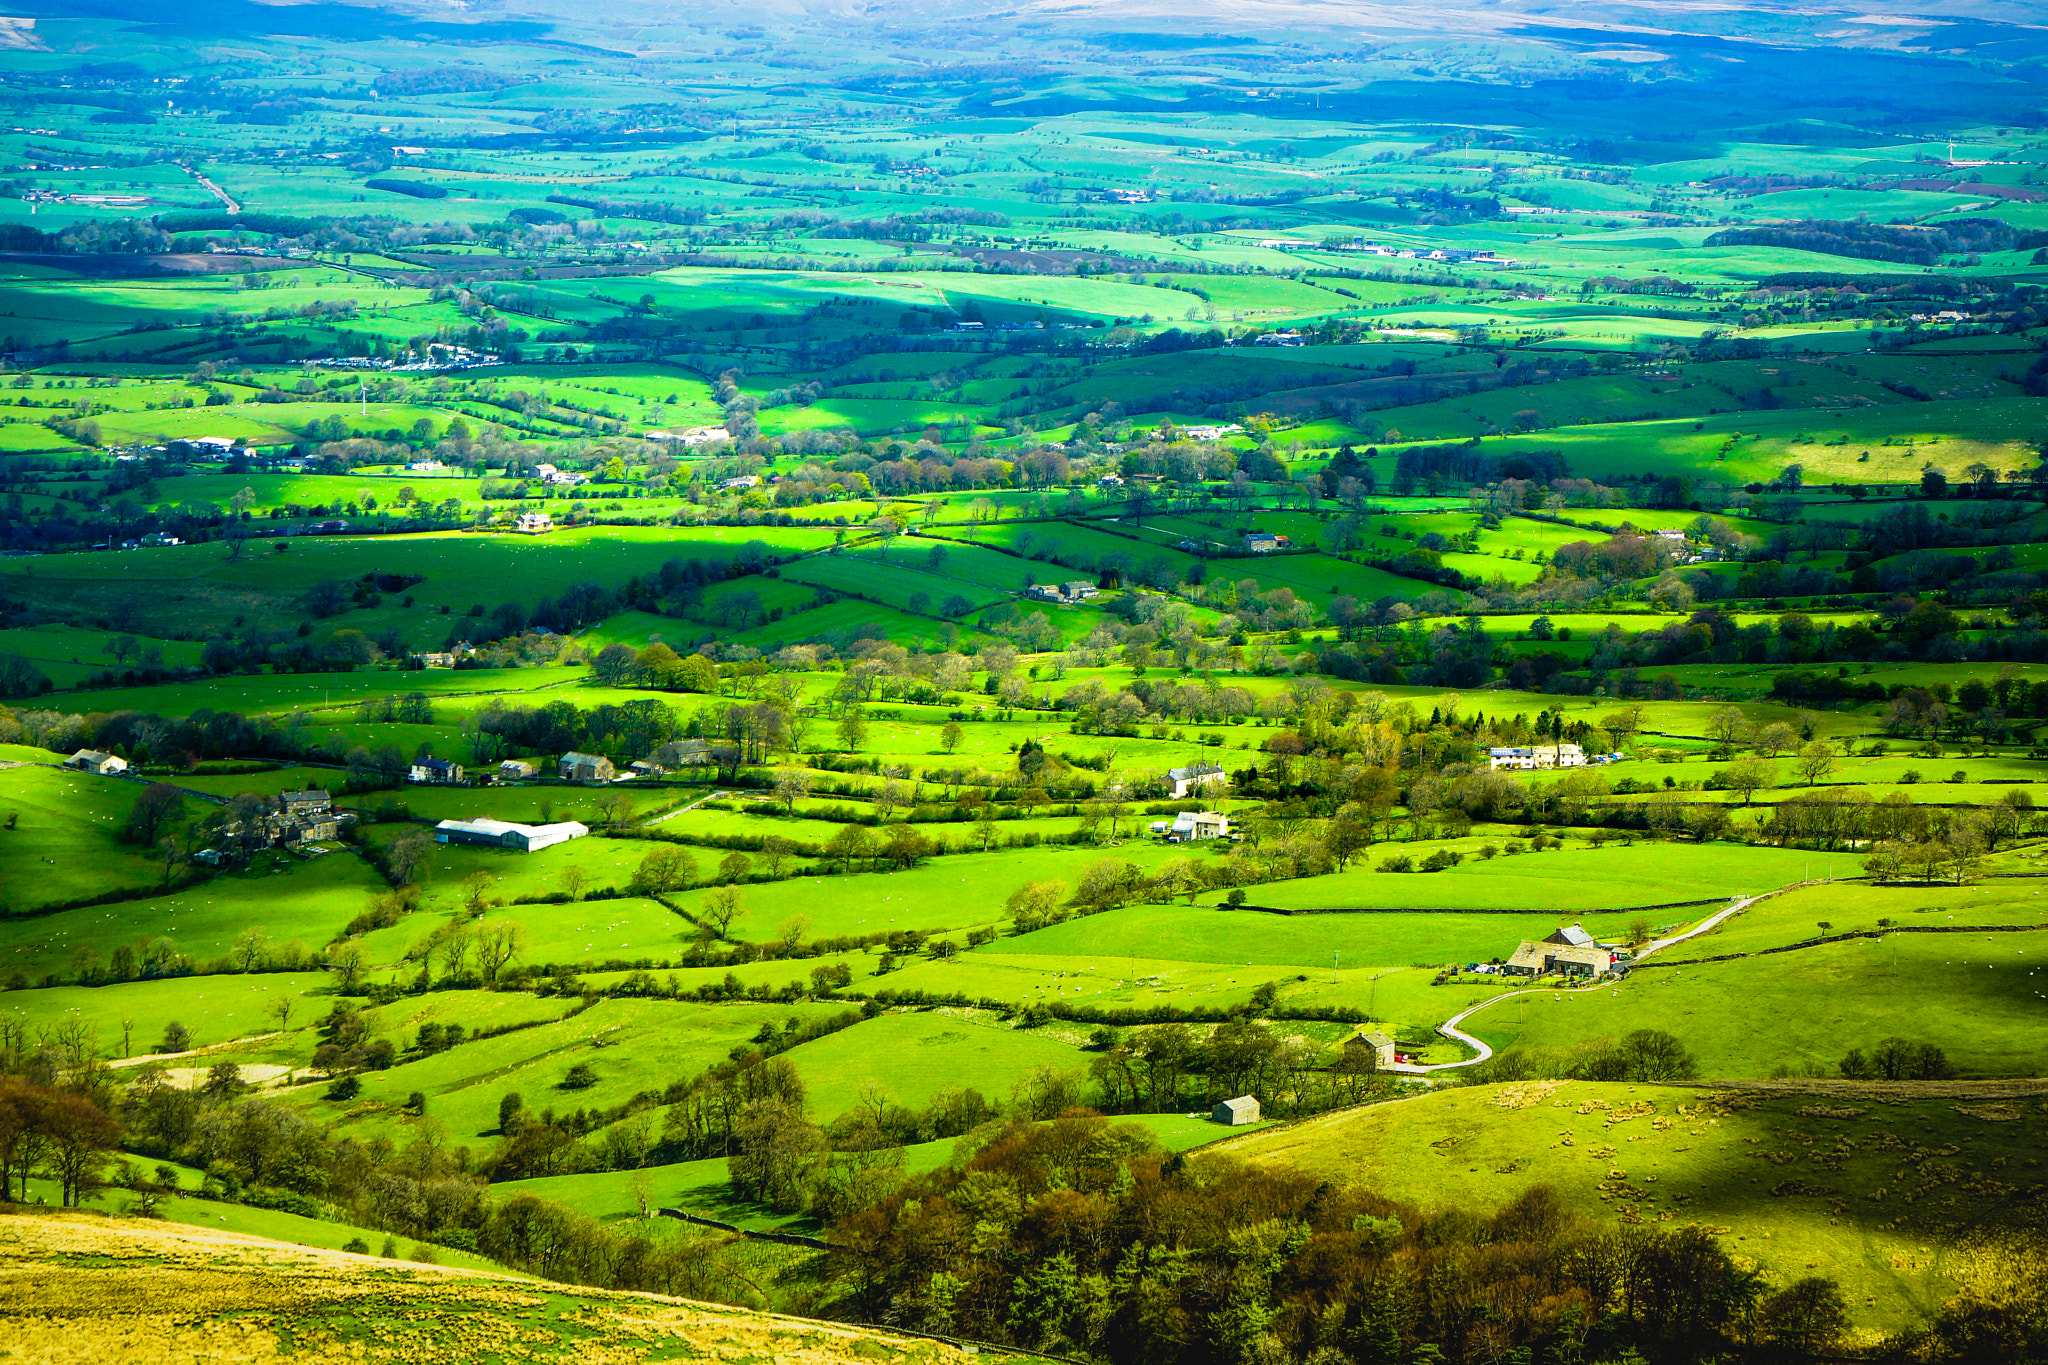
(1379, 1044)
(436, 660)
(1572, 936)
(740, 484)
(576, 767)
(1538, 756)
(1244, 1109)
(692, 436)
(504, 834)
(437, 772)
(1192, 825)
(93, 761)
(305, 803)
(1185, 782)
(515, 770)
(1264, 542)
(681, 753)
(534, 523)
(299, 818)
(1079, 590)
(1541, 959)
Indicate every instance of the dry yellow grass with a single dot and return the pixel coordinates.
(100, 1291)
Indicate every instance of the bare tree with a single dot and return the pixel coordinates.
(791, 786)
(1815, 761)
(455, 945)
(721, 908)
(348, 962)
(497, 945)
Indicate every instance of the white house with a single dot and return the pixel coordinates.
(535, 523)
(93, 761)
(1538, 756)
(1193, 825)
(1185, 782)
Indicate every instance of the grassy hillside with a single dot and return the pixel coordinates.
(1862, 1182)
(158, 1291)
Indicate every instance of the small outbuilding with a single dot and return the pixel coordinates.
(515, 770)
(1242, 1110)
(1379, 1044)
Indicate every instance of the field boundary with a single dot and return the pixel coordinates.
(1852, 934)
(1466, 910)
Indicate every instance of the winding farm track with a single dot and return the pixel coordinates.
(1449, 1028)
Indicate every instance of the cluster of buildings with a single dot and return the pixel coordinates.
(93, 761)
(1193, 826)
(1080, 590)
(559, 478)
(441, 355)
(692, 436)
(1265, 542)
(1535, 756)
(1571, 951)
(294, 820)
(570, 767)
(1532, 756)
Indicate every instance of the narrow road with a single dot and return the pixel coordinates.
(216, 191)
(1449, 1028)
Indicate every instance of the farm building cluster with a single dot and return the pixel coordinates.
(1570, 951)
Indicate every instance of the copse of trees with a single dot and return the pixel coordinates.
(1195, 1259)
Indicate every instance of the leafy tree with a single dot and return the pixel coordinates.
(1815, 761)
(1748, 775)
